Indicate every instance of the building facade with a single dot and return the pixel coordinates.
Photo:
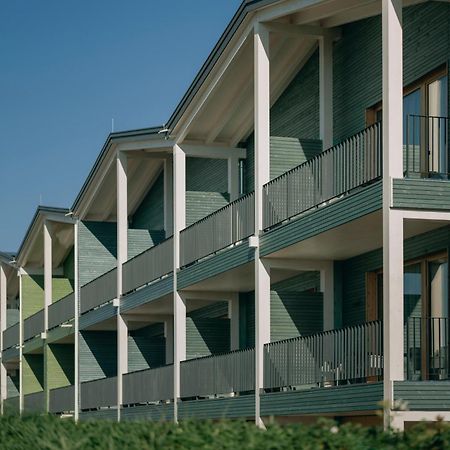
(278, 249)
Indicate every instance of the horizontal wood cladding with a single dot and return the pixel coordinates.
(155, 413)
(332, 400)
(221, 262)
(421, 194)
(364, 201)
(97, 315)
(101, 414)
(423, 395)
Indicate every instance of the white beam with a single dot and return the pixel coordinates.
(213, 152)
(262, 176)
(215, 296)
(21, 319)
(392, 37)
(149, 144)
(48, 263)
(326, 91)
(302, 31)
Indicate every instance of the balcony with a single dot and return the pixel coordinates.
(99, 291)
(148, 266)
(61, 311)
(34, 402)
(11, 336)
(100, 393)
(33, 325)
(62, 400)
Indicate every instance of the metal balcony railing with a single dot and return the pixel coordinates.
(332, 173)
(149, 385)
(99, 393)
(61, 311)
(33, 325)
(62, 399)
(99, 291)
(426, 152)
(226, 373)
(34, 402)
(347, 355)
(148, 266)
(224, 227)
(11, 336)
(427, 349)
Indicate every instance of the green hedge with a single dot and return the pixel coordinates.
(45, 432)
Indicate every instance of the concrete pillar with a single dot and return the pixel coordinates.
(122, 256)
(326, 91)
(48, 294)
(262, 176)
(3, 301)
(392, 220)
(233, 177)
(327, 288)
(168, 196)
(233, 315)
(179, 304)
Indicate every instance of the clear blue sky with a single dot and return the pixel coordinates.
(67, 67)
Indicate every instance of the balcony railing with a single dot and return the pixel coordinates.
(11, 404)
(227, 373)
(61, 311)
(11, 336)
(427, 348)
(99, 393)
(426, 152)
(98, 291)
(148, 266)
(334, 172)
(149, 385)
(224, 227)
(34, 402)
(33, 325)
(348, 355)
(62, 399)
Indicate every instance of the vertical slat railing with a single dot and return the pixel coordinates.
(11, 336)
(149, 385)
(99, 393)
(33, 325)
(334, 172)
(34, 402)
(98, 291)
(148, 266)
(61, 311)
(62, 399)
(351, 354)
(223, 374)
(224, 227)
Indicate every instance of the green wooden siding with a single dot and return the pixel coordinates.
(33, 373)
(354, 270)
(69, 266)
(61, 287)
(206, 187)
(206, 337)
(141, 240)
(423, 395)
(97, 249)
(146, 348)
(98, 354)
(59, 365)
(32, 294)
(421, 194)
(150, 213)
(216, 310)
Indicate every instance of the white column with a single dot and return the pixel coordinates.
(233, 177)
(233, 315)
(392, 168)
(47, 271)
(20, 274)
(179, 305)
(168, 196)
(3, 301)
(77, 326)
(122, 256)
(169, 334)
(326, 91)
(262, 176)
(327, 288)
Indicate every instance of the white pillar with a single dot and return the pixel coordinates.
(169, 334)
(262, 176)
(233, 177)
(122, 256)
(20, 274)
(179, 305)
(326, 91)
(233, 315)
(327, 288)
(77, 326)
(392, 168)
(3, 301)
(168, 196)
(47, 271)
